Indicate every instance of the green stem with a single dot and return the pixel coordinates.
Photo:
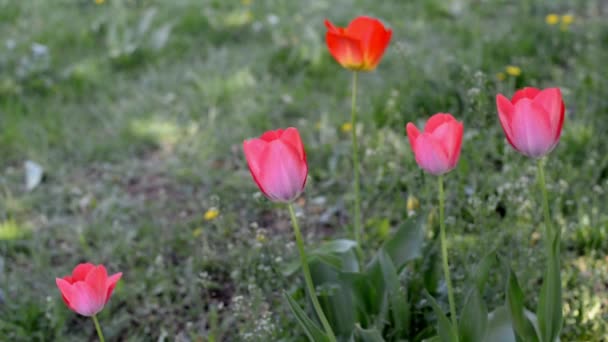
(98, 328)
(549, 229)
(307, 278)
(353, 122)
(444, 253)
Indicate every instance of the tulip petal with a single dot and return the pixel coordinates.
(65, 288)
(505, 115)
(272, 135)
(80, 272)
(374, 38)
(345, 50)
(292, 137)
(254, 150)
(456, 142)
(111, 284)
(526, 93)
(551, 100)
(412, 134)
(437, 120)
(531, 129)
(96, 279)
(283, 173)
(85, 300)
(430, 155)
(333, 28)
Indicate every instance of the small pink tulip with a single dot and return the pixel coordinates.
(437, 148)
(277, 162)
(88, 289)
(532, 120)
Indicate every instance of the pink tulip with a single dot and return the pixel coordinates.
(532, 120)
(437, 148)
(277, 162)
(88, 289)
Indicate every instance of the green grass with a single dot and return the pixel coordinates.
(139, 137)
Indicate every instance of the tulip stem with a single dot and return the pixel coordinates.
(444, 253)
(353, 122)
(98, 328)
(550, 232)
(307, 277)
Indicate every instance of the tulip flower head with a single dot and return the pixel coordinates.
(88, 289)
(532, 120)
(437, 147)
(277, 162)
(360, 45)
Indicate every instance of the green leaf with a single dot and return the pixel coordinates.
(314, 333)
(368, 335)
(364, 296)
(515, 304)
(549, 309)
(335, 246)
(445, 330)
(482, 271)
(335, 297)
(474, 318)
(500, 327)
(407, 242)
(329, 252)
(397, 301)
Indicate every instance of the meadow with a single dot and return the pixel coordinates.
(136, 110)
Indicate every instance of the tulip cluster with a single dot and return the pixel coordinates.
(532, 122)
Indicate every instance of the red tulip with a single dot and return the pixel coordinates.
(532, 120)
(277, 162)
(437, 148)
(359, 46)
(88, 289)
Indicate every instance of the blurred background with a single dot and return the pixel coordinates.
(121, 124)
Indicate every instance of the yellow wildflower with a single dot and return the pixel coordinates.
(346, 127)
(552, 19)
(501, 76)
(567, 19)
(197, 232)
(260, 237)
(513, 70)
(412, 203)
(211, 214)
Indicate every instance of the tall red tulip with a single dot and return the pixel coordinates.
(360, 45)
(88, 289)
(437, 148)
(532, 120)
(277, 162)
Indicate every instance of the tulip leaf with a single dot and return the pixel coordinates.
(364, 296)
(328, 252)
(335, 246)
(406, 244)
(314, 333)
(482, 271)
(397, 301)
(445, 329)
(474, 317)
(500, 327)
(522, 326)
(549, 309)
(368, 335)
(335, 295)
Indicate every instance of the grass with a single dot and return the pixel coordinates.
(138, 124)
